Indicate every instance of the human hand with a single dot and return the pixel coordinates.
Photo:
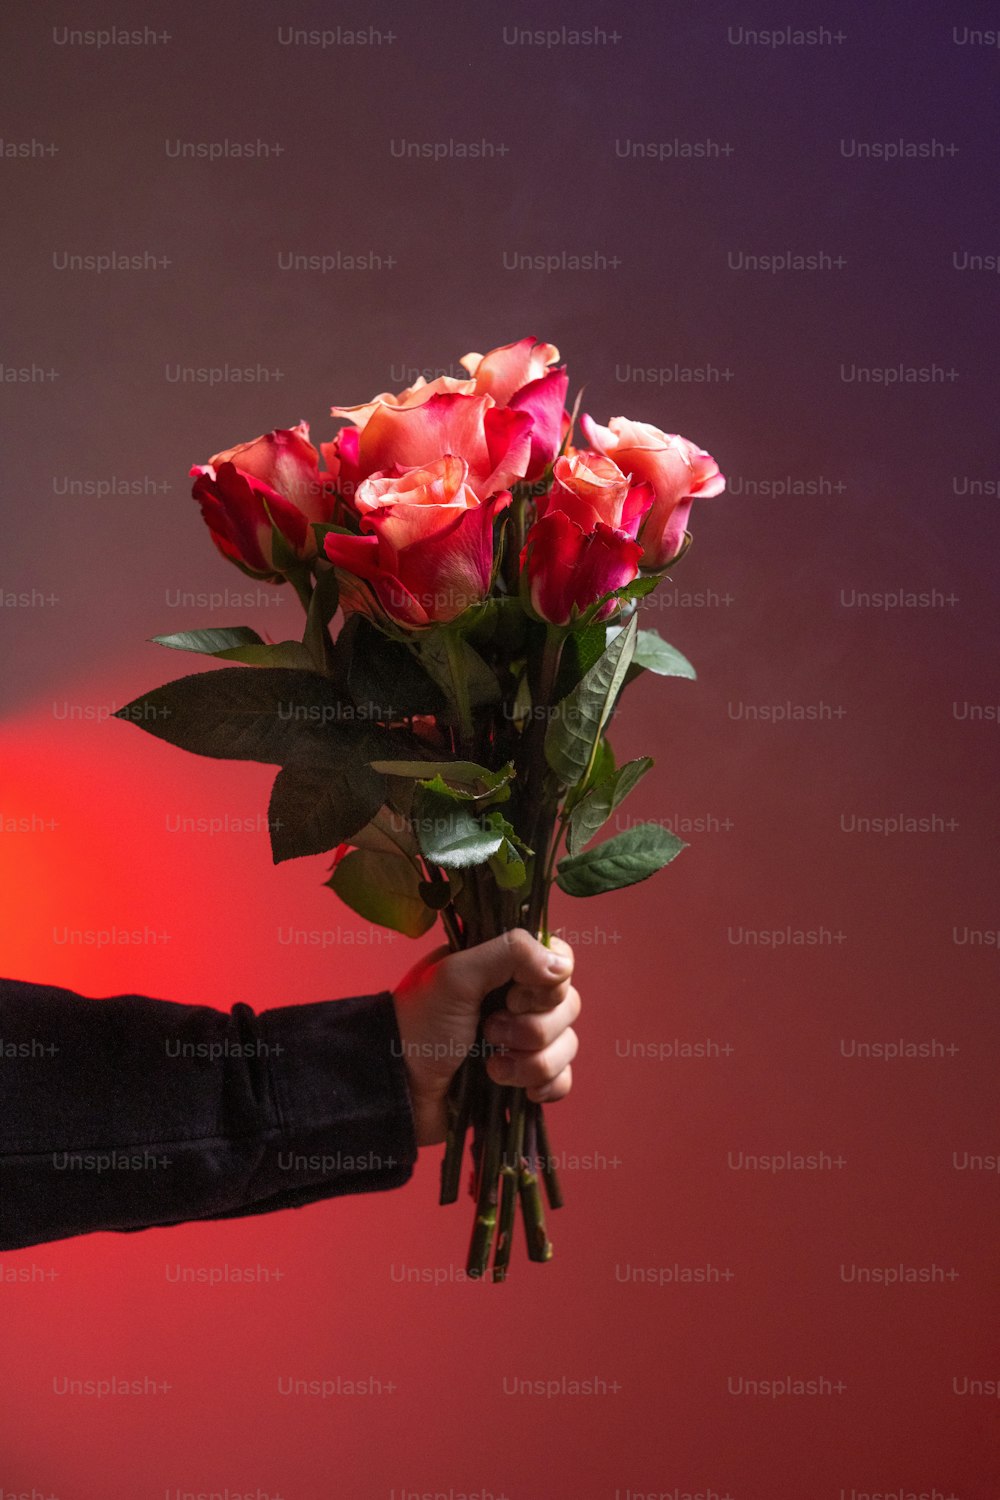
(437, 1009)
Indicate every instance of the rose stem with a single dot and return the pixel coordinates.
(539, 822)
(459, 1110)
(553, 1191)
(486, 1205)
(476, 1148)
(460, 1092)
(539, 1245)
(460, 684)
(509, 1174)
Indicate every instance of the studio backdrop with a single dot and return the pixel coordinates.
(775, 1272)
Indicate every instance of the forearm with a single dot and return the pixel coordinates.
(131, 1112)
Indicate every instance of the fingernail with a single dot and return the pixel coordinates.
(559, 964)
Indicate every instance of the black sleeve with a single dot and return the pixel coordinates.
(129, 1112)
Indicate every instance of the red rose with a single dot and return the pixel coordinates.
(427, 551)
(274, 478)
(568, 569)
(583, 544)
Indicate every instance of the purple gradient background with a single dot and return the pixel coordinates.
(893, 511)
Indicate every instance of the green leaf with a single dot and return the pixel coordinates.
(465, 772)
(382, 676)
(508, 868)
(568, 435)
(281, 654)
(435, 893)
(593, 811)
(315, 808)
(508, 865)
(644, 584)
(211, 642)
(580, 651)
(449, 832)
(602, 766)
(501, 624)
(652, 654)
(274, 714)
(239, 643)
(322, 608)
(624, 860)
(481, 680)
(388, 832)
(575, 728)
(383, 888)
(499, 822)
(638, 588)
(284, 556)
(604, 763)
(488, 796)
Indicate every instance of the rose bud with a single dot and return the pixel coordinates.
(566, 569)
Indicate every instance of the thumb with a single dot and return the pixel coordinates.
(469, 975)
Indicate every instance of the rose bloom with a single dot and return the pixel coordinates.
(507, 369)
(273, 478)
(678, 470)
(590, 487)
(506, 421)
(584, 543)
(519, 377)
(426, 551)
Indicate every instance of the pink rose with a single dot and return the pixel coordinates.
(341, 455)
(510, 367)
(415, 395)
(427, 545)
(417, 429)
(242, 490)
(507, 421)
(678, 470)
(518, 377)
(592, 488)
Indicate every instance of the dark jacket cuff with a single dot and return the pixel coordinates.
(130, 1112)
(342, 1101)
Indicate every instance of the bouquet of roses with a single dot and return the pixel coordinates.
(450, 739)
